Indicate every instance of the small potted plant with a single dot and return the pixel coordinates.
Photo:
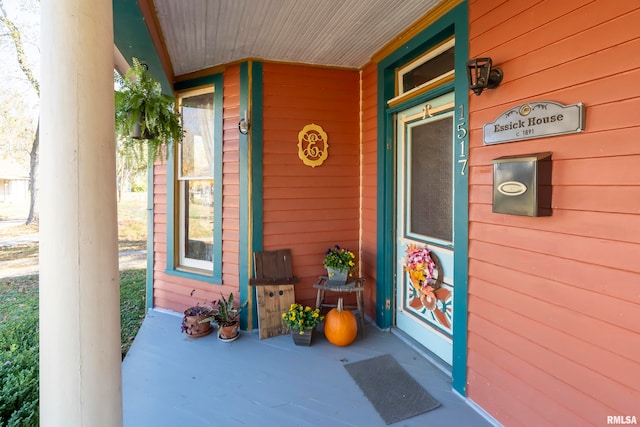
(145, 117)
(302, 320)
(195, 323)
(228, 318)
(339, 263)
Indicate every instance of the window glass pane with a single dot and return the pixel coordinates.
(431, 180)
(195, 228)
(429, 70)
(196, 149)
(197, 219)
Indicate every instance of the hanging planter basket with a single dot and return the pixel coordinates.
(145, 115)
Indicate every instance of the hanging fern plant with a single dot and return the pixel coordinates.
(145, 117)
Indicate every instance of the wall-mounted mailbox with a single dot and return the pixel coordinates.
(522, 184)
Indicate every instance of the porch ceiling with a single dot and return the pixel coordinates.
(199, 34)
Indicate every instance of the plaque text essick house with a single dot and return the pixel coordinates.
(535, 120)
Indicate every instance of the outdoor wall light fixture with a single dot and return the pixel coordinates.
(243, 124)
(482, 76)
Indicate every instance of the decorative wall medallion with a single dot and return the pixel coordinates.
(313, 147)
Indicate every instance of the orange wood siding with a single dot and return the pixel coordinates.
(369, 178)
(160, 233)
(554, 305)
(231, 178)
(310, 209)
(176, 293)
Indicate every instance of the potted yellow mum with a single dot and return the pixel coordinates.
(302, 320)
(339, 263)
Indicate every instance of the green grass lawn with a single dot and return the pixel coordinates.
(19, 313)
(19, 340)
(19, 300)
(132, 305)
(19, 351)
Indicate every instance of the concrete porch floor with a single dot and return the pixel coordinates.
(172, 380)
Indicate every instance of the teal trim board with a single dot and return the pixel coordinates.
(385, 204)
(171, 213)
(251, 222)
(454, 22)
(461, 203)
(131, 36)
(256, 156)
(197, 82)
(254, 224)
(216, 276)
(245, 203)
(150, 247)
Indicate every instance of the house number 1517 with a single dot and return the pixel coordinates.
(461, 133)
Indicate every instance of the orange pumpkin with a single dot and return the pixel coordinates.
(340, 326)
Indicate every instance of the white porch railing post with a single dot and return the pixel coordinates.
(80, 366)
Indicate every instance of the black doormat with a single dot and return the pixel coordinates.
(390, 389)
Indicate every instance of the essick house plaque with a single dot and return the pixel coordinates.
(537, 119)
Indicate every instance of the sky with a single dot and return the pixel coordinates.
(25, 14)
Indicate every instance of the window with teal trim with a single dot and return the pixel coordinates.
(195, 207)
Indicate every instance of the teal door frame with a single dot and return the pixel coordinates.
(455, 22)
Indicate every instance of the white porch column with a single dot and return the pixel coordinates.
(80, 366)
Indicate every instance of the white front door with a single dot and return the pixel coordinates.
(425, 136)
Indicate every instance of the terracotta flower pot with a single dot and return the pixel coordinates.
(229, 333)
(191, 322)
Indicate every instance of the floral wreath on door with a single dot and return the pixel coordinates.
(425, 275)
